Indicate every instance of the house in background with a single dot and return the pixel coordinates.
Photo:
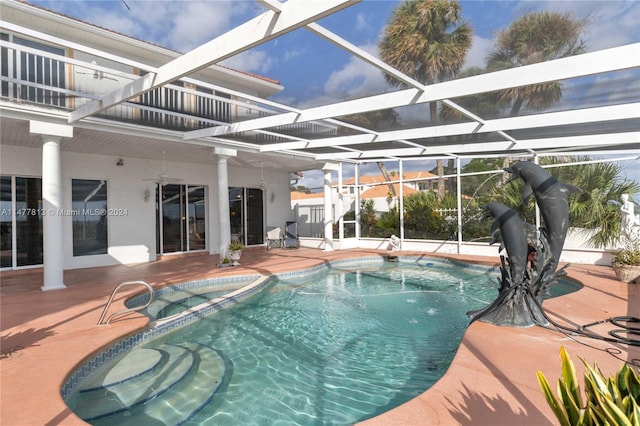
(308, 208)
(418, 180)
(122, 186)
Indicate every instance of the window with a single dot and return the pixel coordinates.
(89, 216)
(246, 214)
(6, 223)
(20, 221)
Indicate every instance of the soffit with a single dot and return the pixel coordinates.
(125, 143)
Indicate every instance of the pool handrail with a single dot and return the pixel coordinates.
(124, 311)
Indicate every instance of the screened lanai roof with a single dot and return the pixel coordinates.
(599, 111)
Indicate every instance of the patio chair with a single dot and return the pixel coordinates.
(274, 237)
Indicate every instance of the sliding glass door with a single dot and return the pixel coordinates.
(20, 221)
(246, 215)
(180, 218)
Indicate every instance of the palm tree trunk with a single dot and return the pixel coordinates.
(506, 162)
(433, 110)
(450, 171)
(440, 173)
(387, 178)
(517, 105)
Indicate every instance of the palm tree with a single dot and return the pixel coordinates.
(428, 41)
(594, 209)
(535, 37)
(597, 207)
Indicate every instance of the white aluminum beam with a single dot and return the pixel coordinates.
(351, 48)
(293, 15)
(587, 115)
(365, 56)
(614, 59)
(609, 139)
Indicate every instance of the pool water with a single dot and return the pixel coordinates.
(170, 301)
(332, 348)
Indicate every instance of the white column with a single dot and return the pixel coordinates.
(52, 253)
(401, 199)
(53, 256)
(340, 206)
(224, 223)
(357, 183)
(459, 198)
(328, 213)
(328, 206)
(52, 218)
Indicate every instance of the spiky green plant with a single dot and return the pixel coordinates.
(608, 400)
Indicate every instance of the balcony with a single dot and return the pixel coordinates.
(35, 74)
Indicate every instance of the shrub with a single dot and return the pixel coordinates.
(608, 401)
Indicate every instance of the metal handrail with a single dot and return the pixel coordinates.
(124, 311)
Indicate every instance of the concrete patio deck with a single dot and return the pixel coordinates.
(492, 380)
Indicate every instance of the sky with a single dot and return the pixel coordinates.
(312, 71)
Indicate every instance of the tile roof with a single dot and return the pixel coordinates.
(372, 179)
(297, 195)
(380, 191)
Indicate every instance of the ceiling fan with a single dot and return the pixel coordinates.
(163, 178)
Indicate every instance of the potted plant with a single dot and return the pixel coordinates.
(235, 251)
(224, 262)
(626, 261)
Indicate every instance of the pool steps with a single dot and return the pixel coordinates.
(133, 384)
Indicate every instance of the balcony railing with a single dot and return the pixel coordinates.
(29, 75)
(37, 74)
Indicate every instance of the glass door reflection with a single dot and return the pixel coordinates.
(181, 218)
(246, 215)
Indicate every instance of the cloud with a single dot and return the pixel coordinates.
(195, 23)
(184, 25)
(290, 54)
(361, 23)
(356, 78)
(609, 23)
(111, 15)
(257, 61)
(478, 53)
(178, 25)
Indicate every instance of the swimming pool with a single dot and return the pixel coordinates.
(332, 347)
